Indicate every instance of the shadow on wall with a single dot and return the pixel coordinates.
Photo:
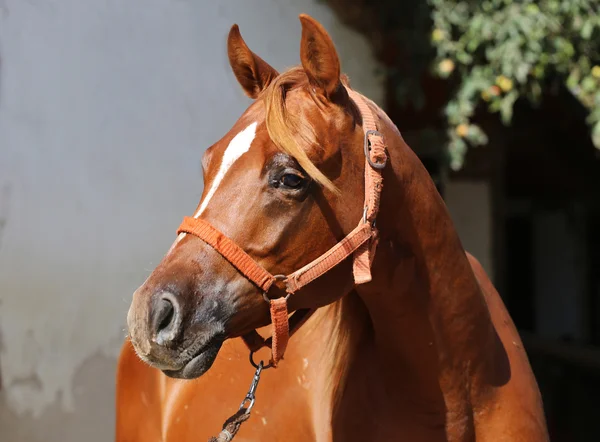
(54, 424)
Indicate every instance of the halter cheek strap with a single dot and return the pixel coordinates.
(361, 243)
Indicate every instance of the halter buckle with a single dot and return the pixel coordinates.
(367, 148)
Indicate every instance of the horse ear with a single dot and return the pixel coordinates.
(252, 72)
(319, 56)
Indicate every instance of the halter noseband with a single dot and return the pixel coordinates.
(360, 242)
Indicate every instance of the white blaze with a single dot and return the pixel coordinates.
(238, 146)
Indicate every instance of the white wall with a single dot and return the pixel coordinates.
(106, 107)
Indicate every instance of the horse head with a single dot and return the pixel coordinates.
(285, 184)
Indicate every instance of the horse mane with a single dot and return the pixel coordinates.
(343, 325)
(290, 132)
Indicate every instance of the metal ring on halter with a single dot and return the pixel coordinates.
(277, 278)
(367, 148)
(268, 300)
(255, 365)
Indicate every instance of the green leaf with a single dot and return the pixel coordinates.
(587, 29)
(573, 79)
(464, 57)
(506, 108)
(495, 105)
(588, 84)
(476, 136)
(596, 135)
(522, 72)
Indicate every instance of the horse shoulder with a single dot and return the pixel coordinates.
(498, 311)
(513, 382)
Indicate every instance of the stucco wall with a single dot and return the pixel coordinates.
(105, 109)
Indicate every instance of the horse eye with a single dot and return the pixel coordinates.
(291, 180)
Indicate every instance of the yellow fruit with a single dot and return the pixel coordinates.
(437, 35)
(462, 130)
(485, 95)
(505, 83)
(446, 66)
(494, 91)
(596, 72)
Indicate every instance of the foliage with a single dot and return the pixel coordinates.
(502, 50)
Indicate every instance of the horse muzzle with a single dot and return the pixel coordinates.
(165, 338)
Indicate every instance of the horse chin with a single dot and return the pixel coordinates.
(200, 363)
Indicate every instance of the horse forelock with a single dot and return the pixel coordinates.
(289, 131)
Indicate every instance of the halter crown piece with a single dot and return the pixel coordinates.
(361, 243)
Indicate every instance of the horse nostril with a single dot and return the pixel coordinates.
(164, 314)
(165, 318)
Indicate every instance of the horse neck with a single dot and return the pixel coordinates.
(426, 308)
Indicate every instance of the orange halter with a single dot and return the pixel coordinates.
(360, 242)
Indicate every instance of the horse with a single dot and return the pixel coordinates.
(416, 345)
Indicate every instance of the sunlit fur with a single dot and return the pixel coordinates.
(349, 319)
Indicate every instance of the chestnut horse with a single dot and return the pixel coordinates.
(424, 352)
